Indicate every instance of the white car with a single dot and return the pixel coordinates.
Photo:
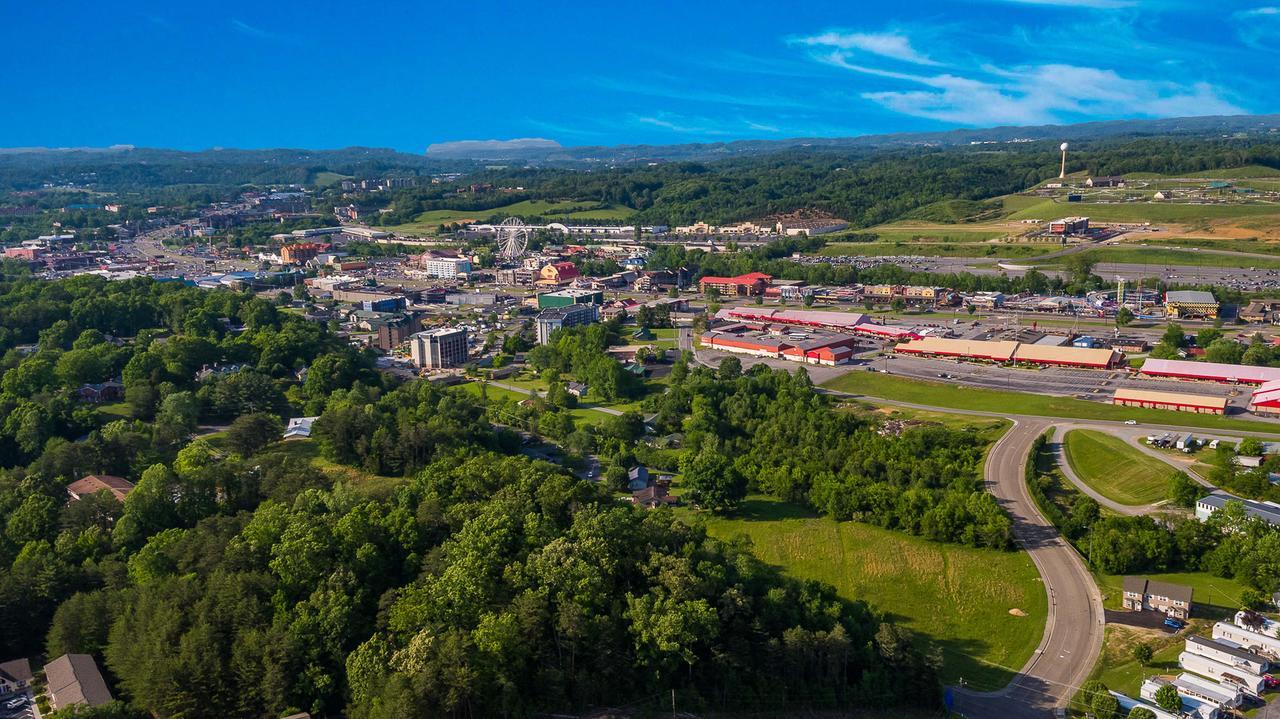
(15, 703)
(1131, 421)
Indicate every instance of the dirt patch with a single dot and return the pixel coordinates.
(1017, 612)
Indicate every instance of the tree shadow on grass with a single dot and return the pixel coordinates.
(770, 510)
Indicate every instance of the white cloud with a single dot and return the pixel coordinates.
(892, 45)
(982, 93)
(682, 125)
(1051, 93)
(1090, 4)
(250, 30)
(1258, 27)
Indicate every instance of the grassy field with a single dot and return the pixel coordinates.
(1121, 672)
(952, 396)
(326, 178)
(935, 249)
(372, 485)
(959, 597)
(934, 232)
(1116, 470)
(1164, 257)
(116, 410)
(1236, 173)
(427, 222)
(1047, 209)
(1255, 246)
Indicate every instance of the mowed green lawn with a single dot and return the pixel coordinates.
(934, 249)
(1116, 470)
(572, 209)
(917, 231)
(1164, 256)
(953, 396)
(958, 597)
(1047, 209)
(1247, 245)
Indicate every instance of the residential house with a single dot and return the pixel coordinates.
(109, 391)
(119, 487)
(1142, 594)
(298, 428)
(15, 676)
(577, 389)
(637, 478)
(653, 497)
(74, 679)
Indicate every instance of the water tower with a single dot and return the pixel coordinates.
(1063, 173)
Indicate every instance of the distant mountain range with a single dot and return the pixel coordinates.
(540, 151)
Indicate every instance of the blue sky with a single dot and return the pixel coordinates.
(326, 74)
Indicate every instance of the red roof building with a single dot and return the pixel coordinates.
(1210, 371)
(119, 487)
(750, 284)
(1266, 399)
(558, 273)
(824, 348)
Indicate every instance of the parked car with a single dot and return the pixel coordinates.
(1131, 421)
(15, 703)
(1174, 623)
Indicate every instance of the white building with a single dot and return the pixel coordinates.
(1222, 673)
(446, 268)
(439, 348)
(1127, 703)
(1239, 657)
(299, 428)
(1246, 638)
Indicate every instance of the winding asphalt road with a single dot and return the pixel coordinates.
(1073, 629)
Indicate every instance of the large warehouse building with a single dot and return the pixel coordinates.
(1010, 351)
(856, 322)
(1266, 399)
(1210, 371)
(825, 348)
(1197, 403)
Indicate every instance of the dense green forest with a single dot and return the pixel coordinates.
(865, 186)
(449, 576)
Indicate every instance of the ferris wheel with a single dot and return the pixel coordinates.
(513, 238)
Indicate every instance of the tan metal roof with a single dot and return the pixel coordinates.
(1066, 355)
(1192, 400)
(998, 349)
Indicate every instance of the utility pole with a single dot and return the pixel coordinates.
(673, 703)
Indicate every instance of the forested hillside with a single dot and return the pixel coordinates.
(407, 560)
(865, 186)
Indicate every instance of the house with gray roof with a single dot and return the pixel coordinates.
(1149, 595)
(15, 676)
(74, 679)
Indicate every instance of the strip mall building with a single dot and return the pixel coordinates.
(1176, 401)
(849, 322)
(1004, 351)
(821, 348)
(1210, 371)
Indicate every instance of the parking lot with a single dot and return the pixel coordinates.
(27, 710)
